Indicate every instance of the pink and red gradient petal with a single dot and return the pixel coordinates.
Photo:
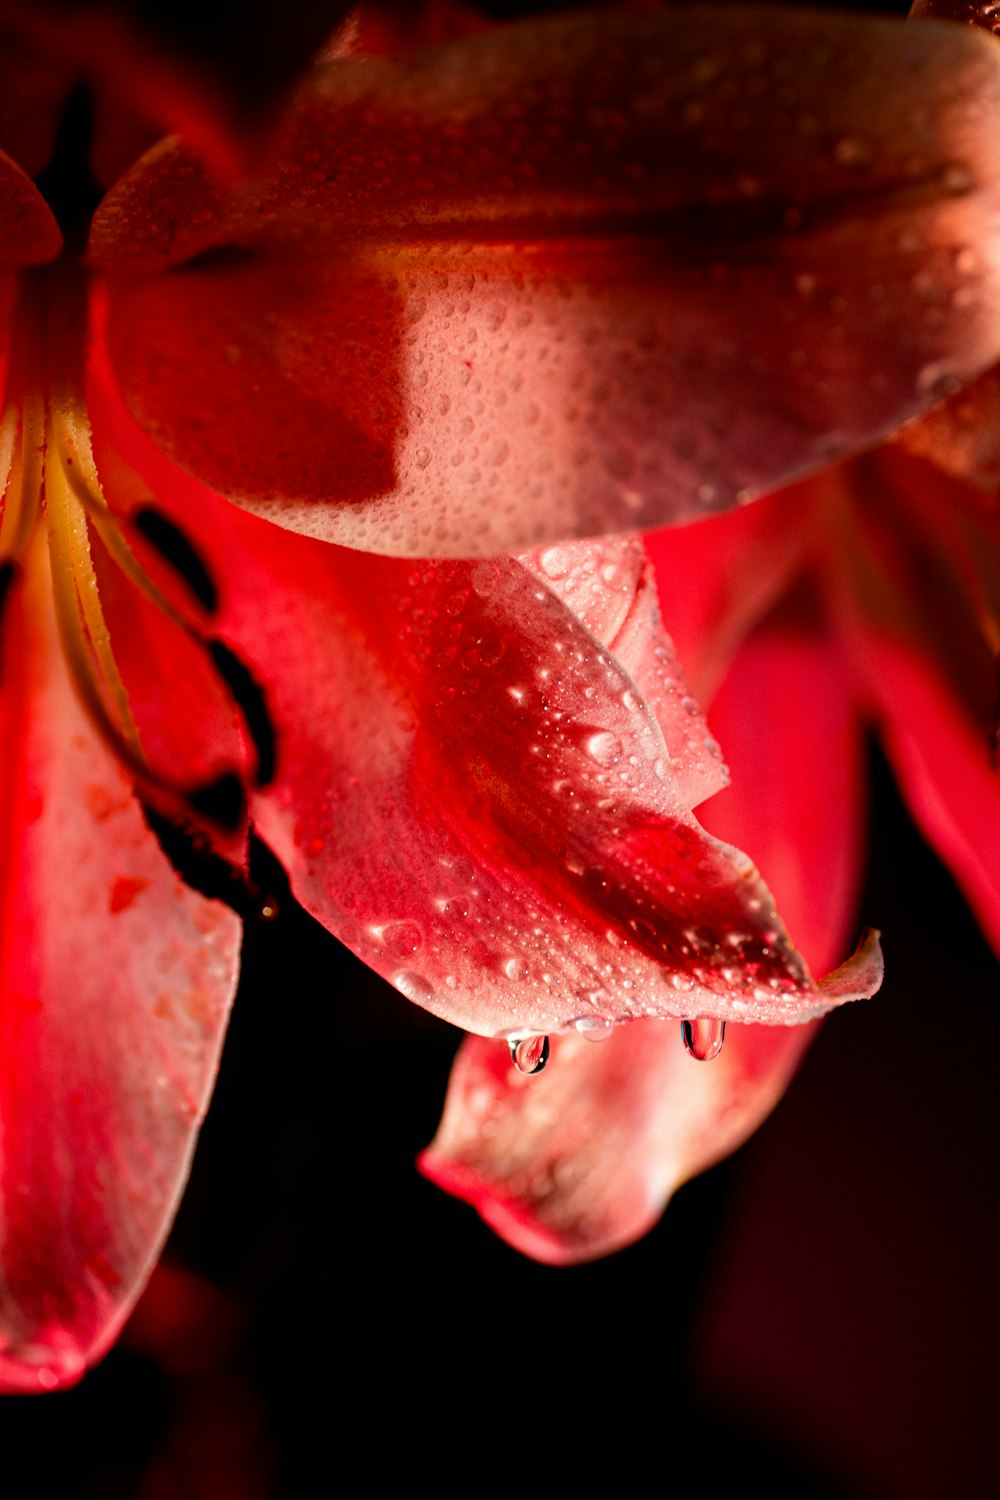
(115, 988)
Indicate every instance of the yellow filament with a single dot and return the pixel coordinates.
(81, 618)
(21, 436)
(10, 475)
(72, 442)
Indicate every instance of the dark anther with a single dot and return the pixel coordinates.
(177, 549)
(9, 572)
(252, 703)
(206, 872)
(222, 801)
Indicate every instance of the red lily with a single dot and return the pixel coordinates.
(479, 775)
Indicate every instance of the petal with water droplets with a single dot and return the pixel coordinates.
(471, 791)
(591, 273)
(581, 1162)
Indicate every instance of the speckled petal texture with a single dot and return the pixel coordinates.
(594, 273)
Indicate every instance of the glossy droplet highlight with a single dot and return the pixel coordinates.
(593, 1028)
(703, 1037)
(414, 986)
(529, 1054)
(604, 748)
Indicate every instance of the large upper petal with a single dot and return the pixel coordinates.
(582, 1160)
(591, 273)
(471, 791)
(115, 981)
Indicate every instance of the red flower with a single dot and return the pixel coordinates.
(587, 274)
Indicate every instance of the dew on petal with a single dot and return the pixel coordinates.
(529, 1054)
(414, 986)
(703, 1037)
(402, 938)
(604, 748)
(593, 1028)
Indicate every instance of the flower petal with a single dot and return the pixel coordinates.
(929, 680)
(962, 433)
(720, 578)
(471, 792)
(599, 273)
(581, 1161)
(116, 982)
(29, 234)
(609, 586)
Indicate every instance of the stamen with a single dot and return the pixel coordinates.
(249, 697)
(79, 610)
(20, 466)
(72, 442)
(176, 549)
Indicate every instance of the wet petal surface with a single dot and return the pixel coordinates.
(472, 793)
(582, 1161)
(671, 280)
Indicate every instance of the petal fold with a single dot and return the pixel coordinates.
(599, 273)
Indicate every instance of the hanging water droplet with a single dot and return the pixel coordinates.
(593, 1028)
(414, 986)
(703, 1037)
(529, 1054)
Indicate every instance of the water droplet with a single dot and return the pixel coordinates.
(703, 1037)
(593, 1028)
(555, 562)
(515, 968)
(402, 938)
(413, 986)
(604, 748)
(529, 1054)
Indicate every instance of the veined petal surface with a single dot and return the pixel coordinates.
(591, 273)
(115, 982)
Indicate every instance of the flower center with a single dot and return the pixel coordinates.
(50, 484)
(49, 475)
